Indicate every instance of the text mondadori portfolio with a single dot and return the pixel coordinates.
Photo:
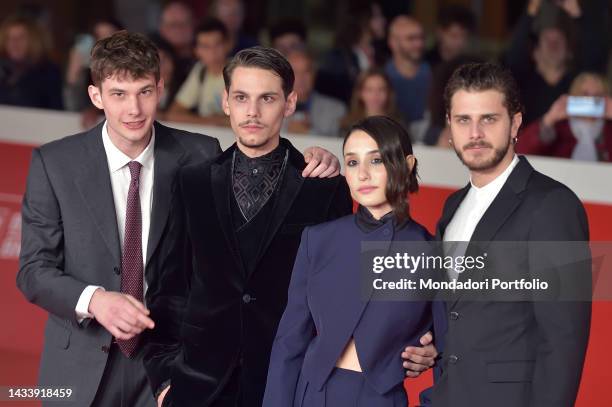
(468, 284)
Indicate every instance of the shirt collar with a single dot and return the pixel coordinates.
(117, 159)
(499, 181)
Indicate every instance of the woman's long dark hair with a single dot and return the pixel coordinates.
(394, 145)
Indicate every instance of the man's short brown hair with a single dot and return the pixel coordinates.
(124, 54)
(479, 77)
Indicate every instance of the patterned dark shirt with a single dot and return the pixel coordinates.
(255, 179)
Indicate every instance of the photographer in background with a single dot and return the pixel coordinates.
(578, 126)
(546, 56)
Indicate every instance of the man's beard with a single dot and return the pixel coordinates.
(483, 165)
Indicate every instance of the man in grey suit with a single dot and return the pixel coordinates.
(95, 208)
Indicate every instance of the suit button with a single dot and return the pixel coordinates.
(246, 298)
(116, 270)
(105, 349)
(454, 315)
(386, 232)
(452, 359)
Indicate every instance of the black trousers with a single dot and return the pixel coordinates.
(124, 382)
(230, 396)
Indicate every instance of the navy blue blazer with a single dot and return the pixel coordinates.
(325, 309)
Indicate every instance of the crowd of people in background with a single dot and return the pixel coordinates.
(377, 65)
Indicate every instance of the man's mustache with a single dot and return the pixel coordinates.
(250, 122)
(475, 144)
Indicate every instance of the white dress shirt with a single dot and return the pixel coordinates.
(470, 211)
(120, 182)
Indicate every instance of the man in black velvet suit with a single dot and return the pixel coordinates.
(234, 230)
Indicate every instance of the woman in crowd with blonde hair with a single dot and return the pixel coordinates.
(585, 135)
(27, 76)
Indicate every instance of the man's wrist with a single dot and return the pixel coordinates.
(82, 306)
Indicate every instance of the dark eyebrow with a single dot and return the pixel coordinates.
(146, 87)
(368, 153)
(467, 116)
(116, 90)
(241, 92)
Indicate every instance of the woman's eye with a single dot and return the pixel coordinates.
(351, 163)
(377, 160)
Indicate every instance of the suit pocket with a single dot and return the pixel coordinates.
(59, 337)
(514, 371)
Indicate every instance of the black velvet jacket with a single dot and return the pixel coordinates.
(211, 314)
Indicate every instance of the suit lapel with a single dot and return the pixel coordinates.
(169, 156)
(502, 207)
(221, 183)
(449, 211)
(94, 185)
(504, 204)
(286, 192)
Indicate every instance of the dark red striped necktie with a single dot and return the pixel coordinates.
(131, 259)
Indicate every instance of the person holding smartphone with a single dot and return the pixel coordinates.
(577, 126)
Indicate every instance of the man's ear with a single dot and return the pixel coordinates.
(225, 103)
(161, 86)
(95, 94)
(517, 120)
(290, 104)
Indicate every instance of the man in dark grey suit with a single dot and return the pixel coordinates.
(519, 348)
(94, 211)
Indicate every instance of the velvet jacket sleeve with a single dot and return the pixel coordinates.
(167, 296)
(342, 204)
(295, 331)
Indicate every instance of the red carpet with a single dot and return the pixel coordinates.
(21, 336)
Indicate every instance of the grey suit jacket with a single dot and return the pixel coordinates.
(70, 240)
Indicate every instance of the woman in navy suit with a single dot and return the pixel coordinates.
(332, 347)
